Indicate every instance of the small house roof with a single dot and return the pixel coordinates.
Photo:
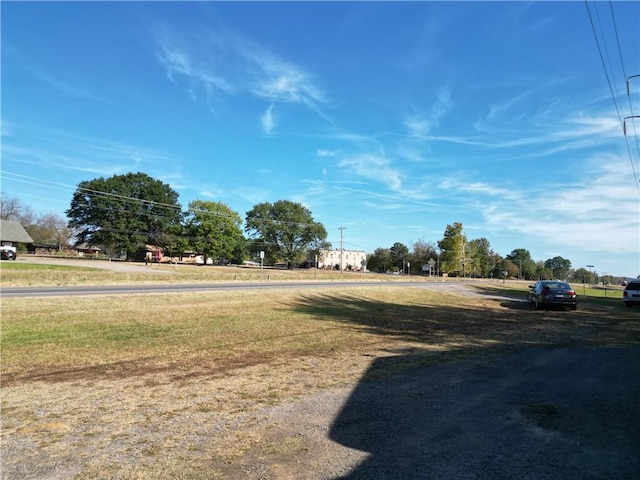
(12, 231)
(86, 246)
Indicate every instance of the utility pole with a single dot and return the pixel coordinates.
(342, 229)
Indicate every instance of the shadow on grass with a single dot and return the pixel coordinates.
(535, 394)
(494, 321)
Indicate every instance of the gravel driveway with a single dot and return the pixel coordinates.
(545, 412)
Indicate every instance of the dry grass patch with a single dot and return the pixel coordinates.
(59, 338)
(175, 385)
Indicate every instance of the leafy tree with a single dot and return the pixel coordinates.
(286, 229)
(379, 260)
(421, 254)
(558, 266)
(511, 268)
(399, 254)
(124, 212)
(214, 230)
(452, 247)
(582, 275)
(482, 258)
(542, 272)
(175, 241)
(522, 258)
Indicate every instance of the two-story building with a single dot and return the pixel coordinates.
(336, 259)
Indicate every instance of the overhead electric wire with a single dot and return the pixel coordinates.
(615, 102)
(98, 193)
(624, 72)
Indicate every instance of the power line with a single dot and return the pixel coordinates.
(99, 193)
(624, 73)
(615, 102)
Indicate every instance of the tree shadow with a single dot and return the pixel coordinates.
(541, 412)
(466, 327)
(531, 394)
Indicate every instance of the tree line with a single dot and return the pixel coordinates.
(124, 214)
(456, 255)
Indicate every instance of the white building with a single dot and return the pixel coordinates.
(355, 260)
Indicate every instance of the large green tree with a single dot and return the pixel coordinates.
(420, 255)
(124, 212)
(214, 230)
(285, 230)
(453, 254)
(558, 266)
(526, 265)
(482, 259)
(379, 260)
(583, 275)
(399, 255)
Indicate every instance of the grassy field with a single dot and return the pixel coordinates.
(112, 333)
(129, 386)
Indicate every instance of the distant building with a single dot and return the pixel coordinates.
(12, 233)
(84, 249)
(354, 260)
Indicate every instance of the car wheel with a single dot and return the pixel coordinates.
(538, 306)
(574, 306)
(10, 255)
(628, 304)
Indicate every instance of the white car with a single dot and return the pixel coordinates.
(7, 252)
(631, 294)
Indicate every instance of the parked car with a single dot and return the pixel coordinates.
(7, 252)
(631, 294)
(546, 293)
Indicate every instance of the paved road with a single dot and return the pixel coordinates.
(463, 287)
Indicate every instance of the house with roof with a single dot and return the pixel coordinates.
(12, 234)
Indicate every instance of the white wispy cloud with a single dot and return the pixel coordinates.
(373, 167)
(63, 151)
(322, 153)
(179, 63)
(68, 87)
(505, 107)
(284, 82)
(422, 124)
(267, 120)
(593, 212)
(221, 61)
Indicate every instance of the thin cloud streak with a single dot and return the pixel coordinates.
(264, 75)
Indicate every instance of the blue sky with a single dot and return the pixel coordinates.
(390, 119)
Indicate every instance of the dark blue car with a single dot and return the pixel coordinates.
(546, 293)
